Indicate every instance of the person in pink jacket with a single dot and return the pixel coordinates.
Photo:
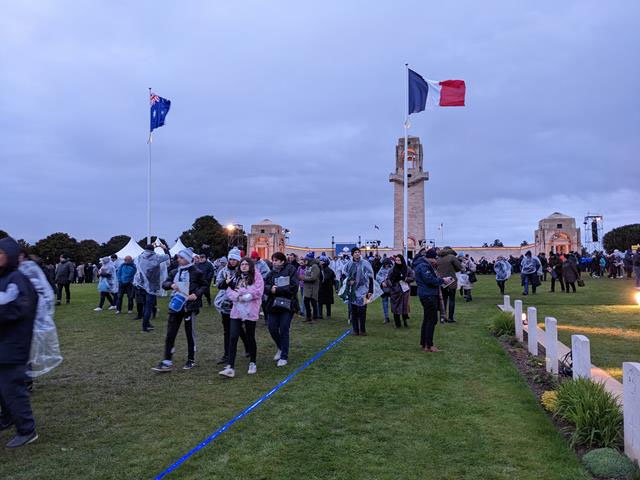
(245, 292)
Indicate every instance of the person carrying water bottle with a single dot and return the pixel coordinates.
(188, 285)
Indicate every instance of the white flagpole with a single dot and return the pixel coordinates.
(149, 182)
(405, 219)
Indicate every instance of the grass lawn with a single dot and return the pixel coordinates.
(604, 310)
(374, 407)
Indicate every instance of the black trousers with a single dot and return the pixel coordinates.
(501, 284)
(572, 285)
(553, 283)
(106, 296)
(328, 307)
(311, 307)
(450, 295)
(173, 325)
(396, 319)
(430, 308)
(207, 293)
(15, 405)
(359, 318)
(125, 289)
(238, 327)
(66, 291)
(226, 327)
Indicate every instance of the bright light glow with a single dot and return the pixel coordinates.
(524, 317)
(637, 295)
(230, 227)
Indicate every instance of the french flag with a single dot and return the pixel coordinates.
(447, 93)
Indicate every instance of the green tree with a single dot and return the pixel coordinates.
(50, 248)
(497, 243)
(3, 234)
(524, 243)
(87, 251)
(113, 245)
(207, 234)
(143, 241)
(24, 245)
(622, 238)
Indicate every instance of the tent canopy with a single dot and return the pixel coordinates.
(177, 247)
(131, 249)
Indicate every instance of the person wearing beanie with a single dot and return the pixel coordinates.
(381, 278)
(429, 284)
(18, 309)
(360, 289)
(245, 292)
(225, 280)
(188, 282)
(261, 265)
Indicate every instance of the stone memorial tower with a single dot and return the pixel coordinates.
(416, 178)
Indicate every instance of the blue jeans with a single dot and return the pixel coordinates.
(385, 307)
(279, 324)
(302, 310)
(149, 304)
(527, 279)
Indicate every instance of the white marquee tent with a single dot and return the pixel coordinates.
(131, 249)
(177, 247)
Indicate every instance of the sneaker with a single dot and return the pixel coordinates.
(227, 372)
(129, 312)
(22, 440)
(112, 307)
(276, 357)
(282, 362)
(386, 320)
(189, 365)
(163, 367)
(97, 309)
(252, 368)
(450, 320)
(118, 312)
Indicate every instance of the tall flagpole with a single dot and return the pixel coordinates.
(405, 188)
(149, 182)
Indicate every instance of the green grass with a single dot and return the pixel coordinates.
(604, 310)
(374, 407)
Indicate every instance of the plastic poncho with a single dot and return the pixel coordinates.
(502, 269)
(221, 302)
(151, 272)
(110, 282)
(45, 348)
(362, 273)
(530, 265)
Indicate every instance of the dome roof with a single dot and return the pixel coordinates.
(266, 221)
(557, 215)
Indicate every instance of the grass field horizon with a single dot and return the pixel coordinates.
(373, 407)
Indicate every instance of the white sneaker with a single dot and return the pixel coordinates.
(112, 307)
(281, 363)
(97, 309)
(227, 372)
(129, 312)
(117, 313)
(276, 357)
(252, 368)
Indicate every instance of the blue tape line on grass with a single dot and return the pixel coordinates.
(248, 410)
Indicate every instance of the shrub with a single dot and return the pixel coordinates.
(610, 463)
(594, 413)
(502, 324)
(549, 400)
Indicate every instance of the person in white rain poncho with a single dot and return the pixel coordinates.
(503, 272)
(360, 290)
(150, 274)
(45, 348)
(107, 284)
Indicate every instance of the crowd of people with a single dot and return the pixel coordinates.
(250, 288)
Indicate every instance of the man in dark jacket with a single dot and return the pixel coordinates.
(447, 265)
(18, 304)
(429, 284)
(64, 276)
(125, 274)
(186, 273)
(208, 272)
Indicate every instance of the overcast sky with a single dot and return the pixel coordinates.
(290, 112)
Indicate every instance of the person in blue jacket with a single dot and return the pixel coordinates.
(429, 293)
(126, 272)
(18, 308)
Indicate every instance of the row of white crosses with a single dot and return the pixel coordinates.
(581, 357)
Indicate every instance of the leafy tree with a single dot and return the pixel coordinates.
(207, 234)
(143, 241)
(485, 244)
(497, 243)
(3, 234)
(24, 245)
(88, 251)
(524, 243)
(50, 248)
(112, 245)
(622, 238)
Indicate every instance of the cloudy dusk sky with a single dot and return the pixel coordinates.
(291, 111)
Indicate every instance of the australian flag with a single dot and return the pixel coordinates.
(159, 109)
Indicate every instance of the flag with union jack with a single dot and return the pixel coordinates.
(159, 109)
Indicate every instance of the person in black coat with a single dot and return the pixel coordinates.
(208, 272)
(281, 288)
(18, 305)
(327, 281)
(186, 272)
